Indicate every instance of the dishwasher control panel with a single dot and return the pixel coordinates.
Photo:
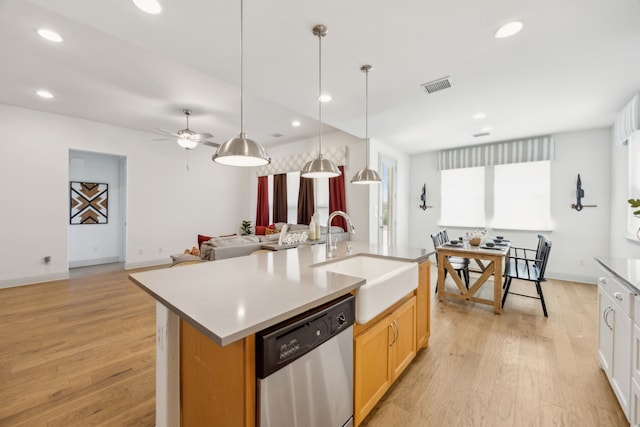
(283, 343)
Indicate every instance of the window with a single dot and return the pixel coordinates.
(521, 196)
(514, 196)
(293, 186)
(462, 197)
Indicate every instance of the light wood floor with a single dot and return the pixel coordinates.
(81, 352)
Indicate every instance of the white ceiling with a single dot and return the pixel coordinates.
(574, 65)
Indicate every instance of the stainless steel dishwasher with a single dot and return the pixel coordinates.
(305, 368)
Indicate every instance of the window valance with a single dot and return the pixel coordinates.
(533, 149)
(295, 162)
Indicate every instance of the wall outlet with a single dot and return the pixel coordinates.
(95, 249)
(140, 251)
(581, 263)
(47, 259)
(160, 250)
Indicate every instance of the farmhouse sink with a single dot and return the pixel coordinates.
(388, 280)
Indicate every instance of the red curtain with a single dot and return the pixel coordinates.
(262, 210)
(337, 199)
(280, 198)
(305, 200)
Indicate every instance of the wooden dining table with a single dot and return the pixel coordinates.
(490, 261)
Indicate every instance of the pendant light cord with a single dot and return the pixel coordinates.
(366, 114)
(320, 94)
(241, 67)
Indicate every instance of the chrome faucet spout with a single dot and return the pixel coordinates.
(350, 229)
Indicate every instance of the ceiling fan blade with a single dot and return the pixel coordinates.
(161, 139)
(209, 143)
(175, 135)
(201, 136)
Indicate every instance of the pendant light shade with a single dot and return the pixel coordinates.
(366, 175)
(320, 167)
(240, 150)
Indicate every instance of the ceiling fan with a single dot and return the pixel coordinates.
(186, 138)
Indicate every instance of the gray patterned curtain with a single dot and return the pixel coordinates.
(533, 149)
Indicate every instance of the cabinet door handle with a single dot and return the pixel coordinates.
(394, 335)
(606, 317)
(395, 322)
(618, 296)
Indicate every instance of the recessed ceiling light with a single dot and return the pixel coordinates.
(150, 6)
(486, 129)
(508, 30)
(325, 97)
(295, 123)
(479, 116)
(52, 36)
(44, 94)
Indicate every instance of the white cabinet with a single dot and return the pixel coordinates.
(634, 409)
(615, 309)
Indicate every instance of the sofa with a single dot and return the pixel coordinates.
(217, 248)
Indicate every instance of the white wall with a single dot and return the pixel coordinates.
(577, 236)
(91, 244)
(167, 206)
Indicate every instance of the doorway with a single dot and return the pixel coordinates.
(388, 168)
(104, 242)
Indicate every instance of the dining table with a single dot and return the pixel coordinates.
(490, 259)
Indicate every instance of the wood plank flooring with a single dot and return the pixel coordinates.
(81, 352)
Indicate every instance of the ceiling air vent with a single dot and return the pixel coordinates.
(437, 85)
(478, 135)
(277, 135)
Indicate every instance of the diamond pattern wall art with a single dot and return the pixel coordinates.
(89, 203)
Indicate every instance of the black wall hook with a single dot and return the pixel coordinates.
(423, 198)
(579, 196)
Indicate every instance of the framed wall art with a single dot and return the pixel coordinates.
(89, 203)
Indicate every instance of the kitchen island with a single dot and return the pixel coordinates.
(208, 315)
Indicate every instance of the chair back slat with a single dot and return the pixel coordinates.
(542, 255)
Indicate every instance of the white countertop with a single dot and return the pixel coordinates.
(625, 269)
(230, 299)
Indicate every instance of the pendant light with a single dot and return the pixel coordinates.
(240, 150)
(366, 175)
(320, 167)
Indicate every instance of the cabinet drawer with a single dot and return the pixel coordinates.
(621, 296)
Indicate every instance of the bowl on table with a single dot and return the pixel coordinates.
(454, 242)
(489, 244)
(475, 241)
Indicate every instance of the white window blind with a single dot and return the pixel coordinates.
(462, 197)
(521, 195)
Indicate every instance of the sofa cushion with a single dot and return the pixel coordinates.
(177, 259)
(234, 241)
(270, 238)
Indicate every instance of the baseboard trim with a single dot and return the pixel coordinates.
(89, 262)
(572, 278)
(148, 263)
(32, 280)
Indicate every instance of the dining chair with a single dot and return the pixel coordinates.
(527, 265)
(459, 264)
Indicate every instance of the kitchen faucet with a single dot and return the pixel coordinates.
(351, 230)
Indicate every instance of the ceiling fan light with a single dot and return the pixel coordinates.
(366, 176)
(241, 151)
(188, 144)
(320, 168)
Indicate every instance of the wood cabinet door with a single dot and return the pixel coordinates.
(621, 364)
(371, 367)
(403, 348)
(423, 309)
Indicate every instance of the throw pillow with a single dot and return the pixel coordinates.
(268, 231)
(183, 258)
(260, 230)
(202, 238)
